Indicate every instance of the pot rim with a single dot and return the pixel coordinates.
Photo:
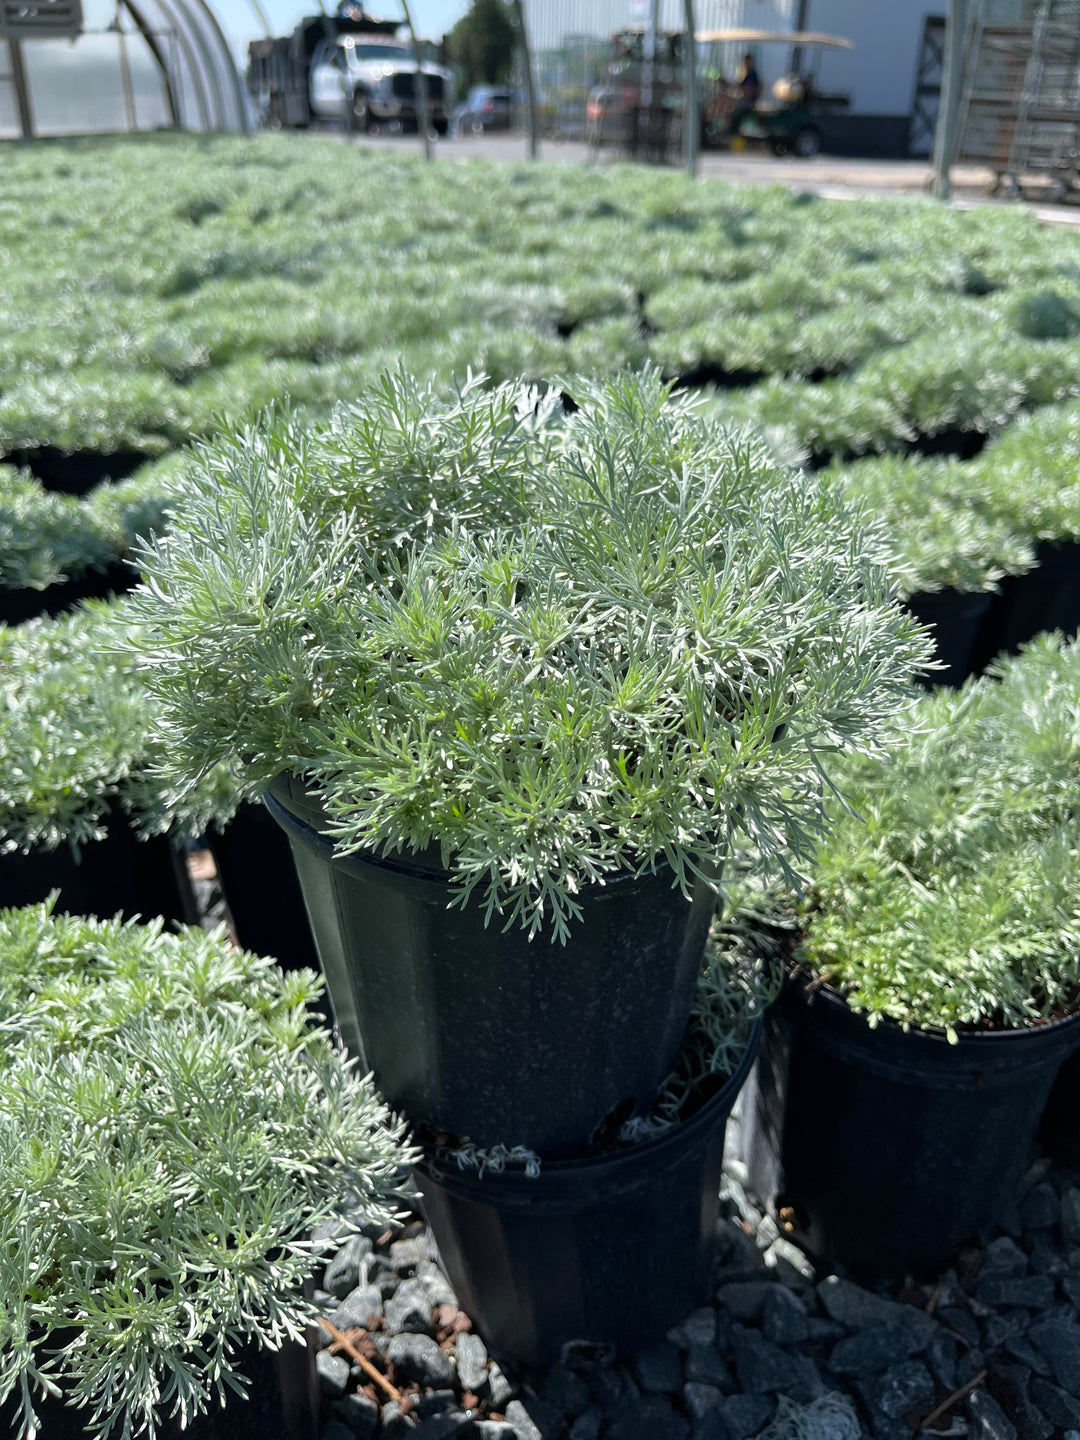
(653, 1148)
(424, 867)
(800, 982)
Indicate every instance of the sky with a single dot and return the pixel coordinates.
(240, 22)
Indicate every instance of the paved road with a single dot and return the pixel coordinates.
(834, 177)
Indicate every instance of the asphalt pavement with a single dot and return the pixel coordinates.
(831, 176)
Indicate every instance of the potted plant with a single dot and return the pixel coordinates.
(82, 424)
(174, 1127)
(514, 674)
(952, 550)
(50, 557)
(84, 811)
(80, 810)
(935, 988)
(56, 549)
(1028, 478)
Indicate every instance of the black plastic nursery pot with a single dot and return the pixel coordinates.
(77, 471)
(1045, 598)
(119, 873)
(484, 1034)
(955, 618)
(258, 878)
(282, 1404)
(1060, 1127)
(888, 1150)
(19, 605)
(612, 1249)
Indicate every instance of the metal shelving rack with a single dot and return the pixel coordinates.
(1020, 102)
(1047, 135)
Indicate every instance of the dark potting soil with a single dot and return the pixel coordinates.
(992, 1344)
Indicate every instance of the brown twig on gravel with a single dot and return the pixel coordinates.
(956, 1395)
(931, 1304)
(366, 1365)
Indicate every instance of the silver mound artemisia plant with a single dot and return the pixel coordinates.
(175, 1127)
(557, 645)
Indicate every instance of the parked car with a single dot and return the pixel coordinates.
(484, 108)
(374, 80)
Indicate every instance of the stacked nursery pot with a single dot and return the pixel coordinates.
(935, 986)
(159, 1095)
(512, 673)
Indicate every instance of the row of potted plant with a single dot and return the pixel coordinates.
(593, 642)
(959, 530)
(949, 386)
(934, 989)
(257, 296)
(79, 807)
(943, 391)
(423, 606)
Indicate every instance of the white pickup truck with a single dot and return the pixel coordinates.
(369, 81)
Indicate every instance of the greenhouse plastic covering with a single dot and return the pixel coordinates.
(138, 65)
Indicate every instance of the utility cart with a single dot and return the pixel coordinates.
(787, 120)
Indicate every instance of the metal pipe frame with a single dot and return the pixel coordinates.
(131, 6)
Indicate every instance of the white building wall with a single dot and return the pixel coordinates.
(879, 74)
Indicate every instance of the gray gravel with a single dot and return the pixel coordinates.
(781, 1351)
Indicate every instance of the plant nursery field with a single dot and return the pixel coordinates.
(153, 288)
(577, 710)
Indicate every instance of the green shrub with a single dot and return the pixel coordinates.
(963, 381)
(303, 273)
(836, 418)
(1030, 475)
(605, 346)
(660, 648)
(1043, 315)
(129, 510)
(173, 1127)
(101, 410)
(45, 537)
